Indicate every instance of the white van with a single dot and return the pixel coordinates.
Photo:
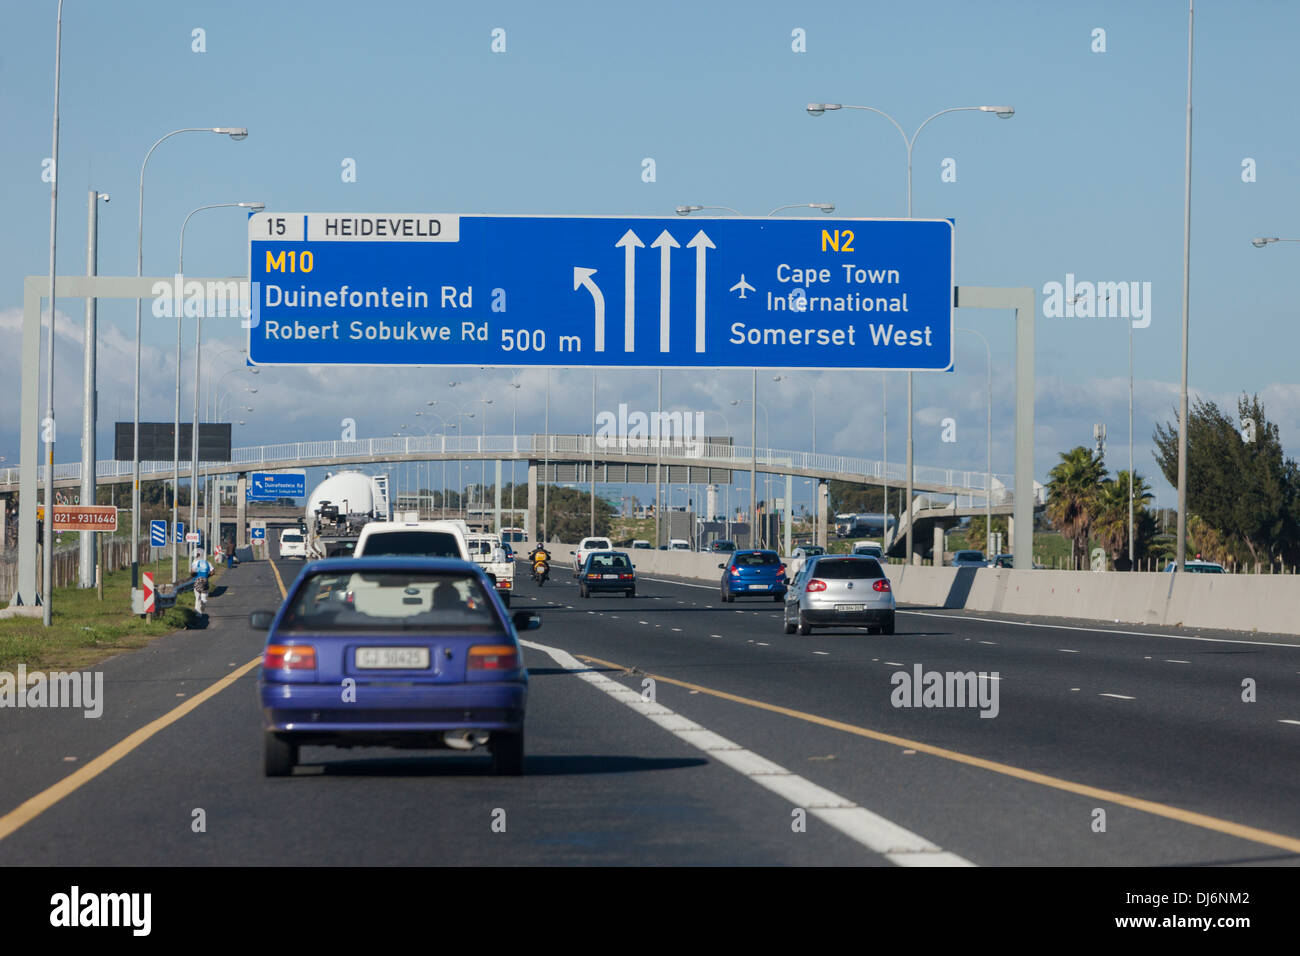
(424, 539)
(678, 544)
(293, 544)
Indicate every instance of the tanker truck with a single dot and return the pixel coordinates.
(339, 507)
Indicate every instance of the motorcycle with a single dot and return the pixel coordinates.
(541, 570)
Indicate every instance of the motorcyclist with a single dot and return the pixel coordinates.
(541, 561)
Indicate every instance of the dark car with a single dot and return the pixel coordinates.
(607, 571)
(722, 546)
(753, 574)
(393, 652)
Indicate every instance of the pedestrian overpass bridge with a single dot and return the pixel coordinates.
(566, 458)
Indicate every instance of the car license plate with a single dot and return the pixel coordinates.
(758, 587)
(849, 607)
(610, 577)
(393, 658)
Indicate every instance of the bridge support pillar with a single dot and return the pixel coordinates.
(241, 511)
(496, 508)
(938, 544)
(530, 519)
(1011, 532)
(823, 509)
(214, 533)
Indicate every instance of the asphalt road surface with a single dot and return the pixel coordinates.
(670, 728)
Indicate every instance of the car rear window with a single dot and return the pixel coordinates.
(968, 556)
(856, 569)
(425, 544)
(292, 538)
(391, 601)
(755, 559)
(609, 561)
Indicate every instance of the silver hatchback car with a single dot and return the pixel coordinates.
(835, 590)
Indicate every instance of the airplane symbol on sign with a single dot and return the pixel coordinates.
(742, 285)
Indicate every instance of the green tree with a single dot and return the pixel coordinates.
(1248, 493)
(976, 535)
(1111, 523)
(849, 497)
(1073, 488)
(568, 514)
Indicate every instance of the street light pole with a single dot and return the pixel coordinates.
(48, 426)
(235, 133)
(194, 426)
(90, 395)
(1002, 112)
(1181, 530)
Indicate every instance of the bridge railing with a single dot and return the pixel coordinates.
(734, 456)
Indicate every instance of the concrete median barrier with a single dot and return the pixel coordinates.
(1245, 602)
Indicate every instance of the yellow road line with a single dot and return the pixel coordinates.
(1266, 837)
(30, 809)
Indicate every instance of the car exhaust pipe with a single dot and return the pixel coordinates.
(465, 739)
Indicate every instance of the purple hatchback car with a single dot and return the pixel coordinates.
(393, 652)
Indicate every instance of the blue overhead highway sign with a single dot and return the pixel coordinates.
(271, 485)
(628, 292)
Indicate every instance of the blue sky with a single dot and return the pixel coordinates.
(1087, 178)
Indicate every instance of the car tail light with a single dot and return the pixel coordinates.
(493, 657)
(815, 585)
(289, 657)
(503, 585)
(780, 572)
(625, 577)
(734, 570)
(881, 585)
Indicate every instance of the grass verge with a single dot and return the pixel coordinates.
(85, 630)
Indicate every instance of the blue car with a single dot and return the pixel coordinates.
(393, 652)
(753, 574)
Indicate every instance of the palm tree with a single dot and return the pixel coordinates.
(1073, 489)
(1111, 522)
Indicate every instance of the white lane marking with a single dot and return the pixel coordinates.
(706, 587)
(823, 653)
(762, 644)
(1289, 722)
(1066, 650)
(677, 629)
(1104, 630)
(895, 843)
(1171, 661)
(1117, 696)
(643, 622)
(715, 635)
(894, 663)
(989, 642)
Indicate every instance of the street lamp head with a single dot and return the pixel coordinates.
(255, 206)
(1003, 112)
(104, 196)
(687, 210)
(826, 207)
(1261, 242)
(817, 109)
(234, 132)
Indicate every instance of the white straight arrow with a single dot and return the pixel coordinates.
(630, 243)
(665, 243)
(699, 244)
(582, 277)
